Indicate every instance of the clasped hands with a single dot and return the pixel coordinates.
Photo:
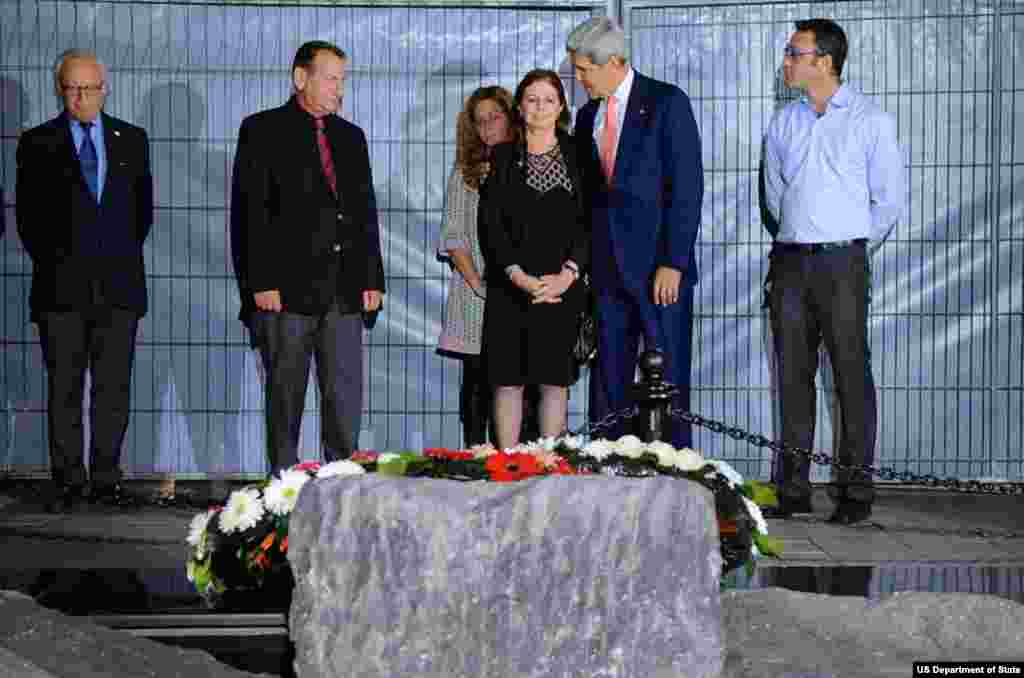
(547, 289)
(270, 300)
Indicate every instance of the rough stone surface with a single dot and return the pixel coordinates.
(36, 642)
(775, 633)
(554, 577)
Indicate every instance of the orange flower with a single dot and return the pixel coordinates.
(445, 453)
(505, 467)
(267, 542)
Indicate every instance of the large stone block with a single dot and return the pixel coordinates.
(556, 577)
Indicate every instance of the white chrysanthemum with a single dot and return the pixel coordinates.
(755, 552)
(546, 444)
(573, 442)
(343, 467)
(197, 533)
(666, 454)
(755, 513)
(728, 472)
(243, 511)
(688, 460)
(385, 457)
(630, 447)
(598, 449)
(282, 493)
(483, 451)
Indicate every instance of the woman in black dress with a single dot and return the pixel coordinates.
(535, 244)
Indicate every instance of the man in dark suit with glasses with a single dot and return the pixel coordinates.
(84, 210)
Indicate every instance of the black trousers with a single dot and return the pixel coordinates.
(102, 340)
(815, 297)
(287, 342)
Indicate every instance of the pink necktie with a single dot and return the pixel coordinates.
(609, 138)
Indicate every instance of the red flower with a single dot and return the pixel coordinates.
(505, 467)
(562, 468)
(284, 544)
(307, 466)
(364, 456)
(445, 453)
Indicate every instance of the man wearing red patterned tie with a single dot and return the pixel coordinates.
(641, 156)
(306, 250)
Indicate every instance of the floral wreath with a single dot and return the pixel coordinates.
(243, 544)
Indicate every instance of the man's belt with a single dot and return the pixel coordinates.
(815, 247)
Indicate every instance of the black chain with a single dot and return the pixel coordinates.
(608, 422)
(885, 473)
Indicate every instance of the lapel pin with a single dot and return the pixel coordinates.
(117, 133)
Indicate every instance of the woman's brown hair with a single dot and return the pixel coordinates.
(553, 79)
(471, 154)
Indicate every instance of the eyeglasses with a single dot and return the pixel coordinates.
(83, 90)
(794, 52)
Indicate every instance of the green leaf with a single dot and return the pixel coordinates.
(768, 546)
(395, 467)
(761, 493)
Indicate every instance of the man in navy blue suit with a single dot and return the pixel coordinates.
(641, 155)
(84, 209)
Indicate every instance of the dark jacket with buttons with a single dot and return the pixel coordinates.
(82, 251)
(288, 231)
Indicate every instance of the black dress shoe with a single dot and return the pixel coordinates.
(110, 495)
(787, 508)
(849, 513)
(64, 499)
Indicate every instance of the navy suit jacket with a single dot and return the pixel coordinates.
(76, 245)
(650, 215)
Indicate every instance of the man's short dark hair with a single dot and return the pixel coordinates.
(304, 57)
(830, 40)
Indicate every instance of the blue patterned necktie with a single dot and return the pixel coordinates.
(90, 163)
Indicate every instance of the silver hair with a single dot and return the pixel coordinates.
(598, 39)
(76, 53)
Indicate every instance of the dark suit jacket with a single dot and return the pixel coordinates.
(651, 214)
(76, 245)
(501, 219)
(289, 233)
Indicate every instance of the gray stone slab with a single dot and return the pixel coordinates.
(42, 643)
(775, 633)
(558, 577)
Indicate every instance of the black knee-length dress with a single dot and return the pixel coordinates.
(531, 215)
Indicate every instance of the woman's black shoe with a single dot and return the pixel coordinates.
(787, 508)
(849, 513)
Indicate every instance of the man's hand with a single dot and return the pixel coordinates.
(371, 300)
(269, 300)
(666, 285)
(527, 283)
(555, 286)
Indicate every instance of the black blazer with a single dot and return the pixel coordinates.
(288, 231)
(502, 196)
(75, 245)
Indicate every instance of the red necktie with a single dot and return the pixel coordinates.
(609, 142)
(326, 161)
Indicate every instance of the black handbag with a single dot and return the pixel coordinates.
(585, 348)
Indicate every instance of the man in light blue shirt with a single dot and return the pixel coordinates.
(835, 185)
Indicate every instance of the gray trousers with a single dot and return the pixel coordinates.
(287, 342)
(102, 340)
(817, 297)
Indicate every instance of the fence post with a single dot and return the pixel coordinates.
(652, 395)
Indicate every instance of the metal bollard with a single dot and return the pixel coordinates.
(652, 395)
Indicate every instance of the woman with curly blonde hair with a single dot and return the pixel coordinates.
(486, 120)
